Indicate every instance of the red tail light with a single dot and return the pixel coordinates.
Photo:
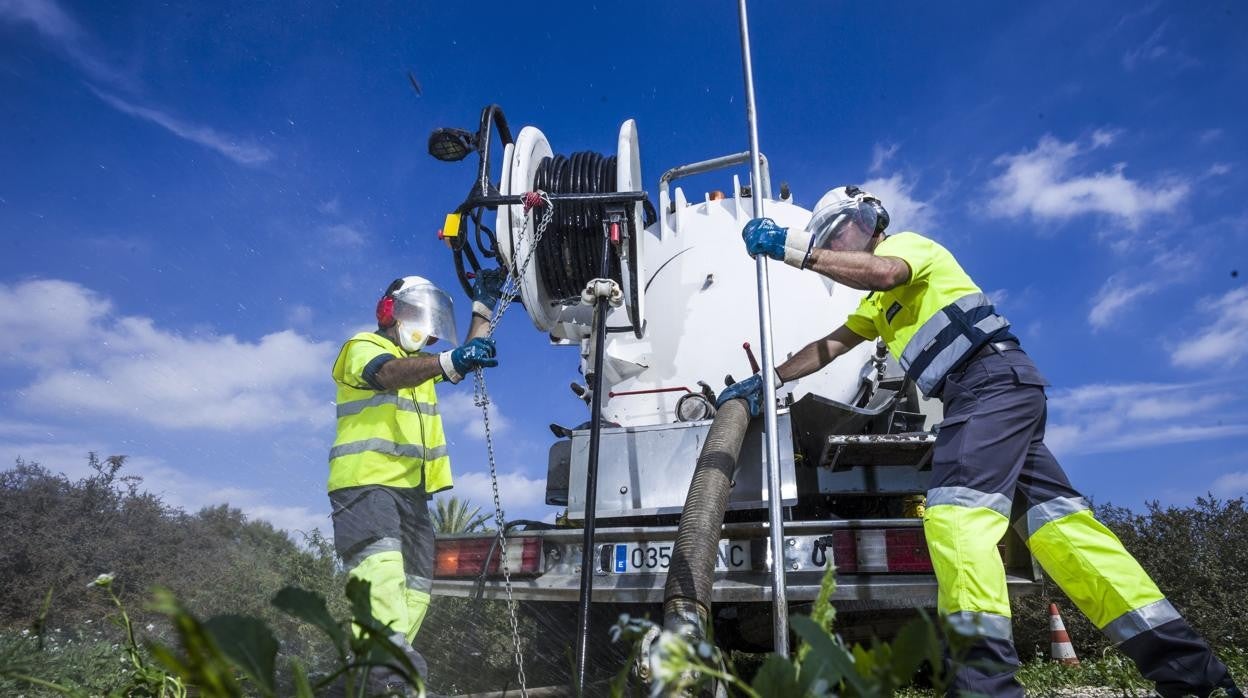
(466, 557)
(845, 551)
(907, 550)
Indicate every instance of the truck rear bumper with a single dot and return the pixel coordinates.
(873, 590)
(869, 549)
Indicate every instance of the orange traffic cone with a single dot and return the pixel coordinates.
(1060, 648)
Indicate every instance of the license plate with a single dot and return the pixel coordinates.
(634, 558)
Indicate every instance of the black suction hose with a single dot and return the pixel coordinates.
(687, 595)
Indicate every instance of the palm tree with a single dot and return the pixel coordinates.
(455, 515)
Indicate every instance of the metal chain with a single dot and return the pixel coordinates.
(481, 398)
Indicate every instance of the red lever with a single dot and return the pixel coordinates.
(650, 391)
(749, 354)
(615, 233)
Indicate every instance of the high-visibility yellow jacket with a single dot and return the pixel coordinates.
(933, 321)
(385, 437)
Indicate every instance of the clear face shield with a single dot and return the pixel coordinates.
(845, 225)
(423, 314)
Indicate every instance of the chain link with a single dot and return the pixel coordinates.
(511, 289)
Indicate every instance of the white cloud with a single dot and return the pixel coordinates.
(881, 153)
(904, 211)
(299, 315)
(1231, 485)
(460, 412)
(240, 150)
(1129, 287)
(521, 496)
(46, 16)
(63, 31)
(1224, 340)
(1154, 51)
(332, 207)
(58, 27)
(1041, 183)
(1218, 169)
(1103, 137)
(87, 357)
(1115, 295)
(1100, 418)
(343, 235)
(1209, 135)
(45, 320)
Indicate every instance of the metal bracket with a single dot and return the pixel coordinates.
(605, 289)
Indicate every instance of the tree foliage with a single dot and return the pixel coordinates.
(61, 533)
(455, 515)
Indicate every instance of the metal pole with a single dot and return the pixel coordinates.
(588, 559)
(775, 514)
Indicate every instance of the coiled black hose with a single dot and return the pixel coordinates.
(570, 251)
(687, 594)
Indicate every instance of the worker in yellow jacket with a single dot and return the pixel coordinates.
(990, 465)
(390, 455)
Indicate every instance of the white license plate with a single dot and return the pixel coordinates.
(634, 558)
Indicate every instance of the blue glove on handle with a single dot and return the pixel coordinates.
(765, 236)
(486, 290)
(750, 389)
(476, 353)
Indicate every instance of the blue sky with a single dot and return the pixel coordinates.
(198, 203)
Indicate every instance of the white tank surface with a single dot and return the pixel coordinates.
(702, 305)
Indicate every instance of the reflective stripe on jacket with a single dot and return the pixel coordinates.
(393, 438)
(948, 337)
(935, 320)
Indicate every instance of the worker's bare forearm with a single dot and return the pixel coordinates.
(478, 327)
(818, 354)
(861, 270)
(409, 372)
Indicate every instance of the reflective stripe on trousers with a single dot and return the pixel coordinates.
(989, 463)
(395, 601)
(385, 536)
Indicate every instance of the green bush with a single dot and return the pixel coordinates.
(60, 534)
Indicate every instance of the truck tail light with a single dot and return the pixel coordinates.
(907, 550)
(845, 551)
(466, 557)
(880, 550)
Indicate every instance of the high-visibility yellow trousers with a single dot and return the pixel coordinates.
(384, 536)
(990, 467)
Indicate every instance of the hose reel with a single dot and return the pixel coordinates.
(593, 194)
(568, 256)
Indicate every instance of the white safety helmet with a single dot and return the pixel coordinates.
(420, 312)
(846, 219)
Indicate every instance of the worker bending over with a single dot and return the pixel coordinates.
(990, 466)
(390, 453)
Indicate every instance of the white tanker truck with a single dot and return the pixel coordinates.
(855, 438)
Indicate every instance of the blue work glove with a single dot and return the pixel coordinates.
(750, 389)
(486, 290)
(765, 236)
(476, 353)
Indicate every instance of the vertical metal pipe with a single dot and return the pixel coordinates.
(588, 559)
(775, 513)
